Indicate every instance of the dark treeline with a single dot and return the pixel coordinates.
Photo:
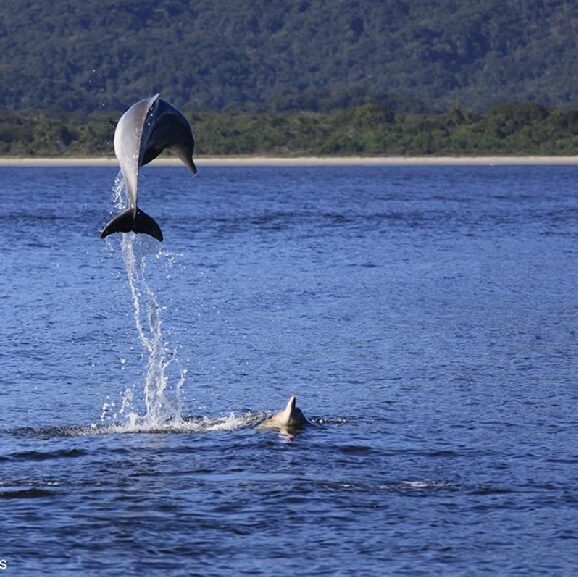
(519, 128)
(282, 56)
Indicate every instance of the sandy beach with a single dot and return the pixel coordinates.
(303, 161)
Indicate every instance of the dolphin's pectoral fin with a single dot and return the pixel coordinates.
(146, 224)
(126, 222)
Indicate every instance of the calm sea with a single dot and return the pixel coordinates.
(425, 318)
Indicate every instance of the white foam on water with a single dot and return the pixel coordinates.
(202, 424)
(424, 485)
(135, 424)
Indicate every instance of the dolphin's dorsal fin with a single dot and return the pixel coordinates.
(287, 413)
(291, 418)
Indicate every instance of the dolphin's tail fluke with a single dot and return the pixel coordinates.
(146, 224)
(128, 221)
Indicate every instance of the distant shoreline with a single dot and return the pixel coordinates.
(303, 161)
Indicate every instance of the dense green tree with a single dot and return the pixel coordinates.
(518, 128)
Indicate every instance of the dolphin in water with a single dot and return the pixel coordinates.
(142, 133)
(289, 420)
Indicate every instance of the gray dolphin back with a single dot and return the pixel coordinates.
(167, 128)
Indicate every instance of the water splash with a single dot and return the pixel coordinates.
(162, 399)
(233, 421)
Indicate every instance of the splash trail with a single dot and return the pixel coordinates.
(162, 396)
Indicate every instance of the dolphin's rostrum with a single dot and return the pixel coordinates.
(142, 133)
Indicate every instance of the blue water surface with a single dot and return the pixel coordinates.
(424, 316)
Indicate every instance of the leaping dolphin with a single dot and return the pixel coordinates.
(142, 133)
(289, 420)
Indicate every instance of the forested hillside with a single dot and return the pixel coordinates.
(282, 55)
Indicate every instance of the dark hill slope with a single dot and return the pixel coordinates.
(287, 54)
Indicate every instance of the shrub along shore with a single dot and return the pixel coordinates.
(366, 131)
